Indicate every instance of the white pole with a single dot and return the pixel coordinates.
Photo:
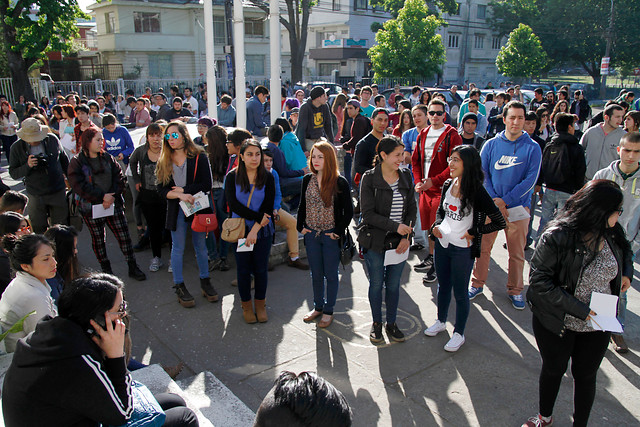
(238, 49)
(210, 59)
(274, 44)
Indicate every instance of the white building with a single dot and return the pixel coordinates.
(165, 38)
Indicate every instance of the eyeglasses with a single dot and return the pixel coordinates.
(436, 113)
(620, 211)
(173, 135)
(122, 310)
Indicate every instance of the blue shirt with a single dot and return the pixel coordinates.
(409, 139)
(226, 117)
(293, 153)
(118, 142)
(255, 122)
(277, 201)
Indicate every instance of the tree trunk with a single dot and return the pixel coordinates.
(20, 76)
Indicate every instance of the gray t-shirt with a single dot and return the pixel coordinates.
(180, 174)
(36, 149)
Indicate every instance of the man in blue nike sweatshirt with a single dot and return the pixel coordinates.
(511, 163)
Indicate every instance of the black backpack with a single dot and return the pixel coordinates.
(556, 164)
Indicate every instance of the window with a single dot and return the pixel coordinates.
(360, 4)
(160, 66)
(335, 5)
(219, 30)
(110, 22)
(454, 40)
(145, 22)
(482, 11)
(479, 42)
(254, 28)
(327, 69)
(255, 65)
(495, 43)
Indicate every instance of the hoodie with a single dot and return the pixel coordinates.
(511, 168)
(118, 141)
(58, 377)
(630, 218)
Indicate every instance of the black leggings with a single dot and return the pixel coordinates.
(586, 351)
(178, 415)
(154, 210)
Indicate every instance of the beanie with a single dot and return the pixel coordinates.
(316, 92)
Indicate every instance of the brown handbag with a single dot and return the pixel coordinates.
(233, 228)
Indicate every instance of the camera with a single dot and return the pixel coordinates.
(43, 161)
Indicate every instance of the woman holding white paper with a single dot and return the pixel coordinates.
(182, 171)
(97, 181)
(250, 191)
(584, 250)
(388, 211)
(458, 229)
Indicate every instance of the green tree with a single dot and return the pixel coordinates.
(523, 55)
(408, 46)
(394, 6)
(575, 32)
(31, 28)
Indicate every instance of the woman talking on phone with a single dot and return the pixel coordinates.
(250, 192)
(581, 252)
(458, 229)
(388, 212)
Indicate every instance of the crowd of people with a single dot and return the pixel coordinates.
(397, 168)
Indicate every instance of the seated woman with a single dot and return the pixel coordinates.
(65, 239)
(32, 259)
(80, 355)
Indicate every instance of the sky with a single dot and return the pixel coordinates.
(84, 3)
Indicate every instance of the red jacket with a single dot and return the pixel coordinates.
(439, 169)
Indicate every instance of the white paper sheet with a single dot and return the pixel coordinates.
(200, 201)
(605, 307)
(243, 247)
(98, 211)
(391, 257)
(517, 213)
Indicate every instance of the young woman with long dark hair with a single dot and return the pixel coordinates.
(32, 259)
(96, 178)
(406, 123)
(8, 124)
(323, 217)
(387, 197)
(250, 192)
(143, 163)
(216, 140)
(65, 239)
(183, 171)
(582, 251)
(458, 229)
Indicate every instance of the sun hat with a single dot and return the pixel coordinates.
(32, 130)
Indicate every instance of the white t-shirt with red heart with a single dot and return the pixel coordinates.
(454, 225)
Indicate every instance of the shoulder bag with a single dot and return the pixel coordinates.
(233, 228)
(203, 223)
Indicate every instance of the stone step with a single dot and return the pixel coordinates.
(218, 404)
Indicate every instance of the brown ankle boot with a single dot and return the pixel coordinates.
(247, 312)
(261, 310)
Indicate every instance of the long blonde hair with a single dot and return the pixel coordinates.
(164, 167)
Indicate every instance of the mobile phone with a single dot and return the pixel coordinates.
(99, 319)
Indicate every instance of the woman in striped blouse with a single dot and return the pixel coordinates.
(388, 212)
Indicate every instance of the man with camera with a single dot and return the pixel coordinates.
(40, 160)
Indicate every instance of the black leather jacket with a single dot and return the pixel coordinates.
(556, 267)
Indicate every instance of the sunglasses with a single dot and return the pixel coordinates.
(436, 113)
(173, 135)
(25, 229)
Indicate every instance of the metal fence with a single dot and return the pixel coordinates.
(6, 88)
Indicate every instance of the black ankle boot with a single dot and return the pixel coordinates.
(135, 272)
(208, 291)
(184, 297)
(106, 267)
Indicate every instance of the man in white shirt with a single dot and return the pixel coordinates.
(188, 97)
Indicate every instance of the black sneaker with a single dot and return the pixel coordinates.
(394, 333)
(143, 243)
(223, 265)
(416, 247)
(430, 277)
(375, 336)
(425, 265)
(135, 272)
(105, 266)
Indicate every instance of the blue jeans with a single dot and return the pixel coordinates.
(348, 160)
(380, 276)
(419, 235)
(178, 238)
(552, 202)
(254, 263)
(323, 254)
(453, 268)
(221, 214)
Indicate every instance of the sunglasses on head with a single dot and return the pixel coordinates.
(436, 113)
(173, 135)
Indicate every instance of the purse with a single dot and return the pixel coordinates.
(347, 249)
(233, 228)
(203, 223)
(146, 409)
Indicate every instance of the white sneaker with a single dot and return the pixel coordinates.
(170, 270)
(156, 263)
(454, 343)
(435, 329)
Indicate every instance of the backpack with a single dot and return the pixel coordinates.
(556, 164)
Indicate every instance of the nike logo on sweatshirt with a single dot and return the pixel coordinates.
(506, 162)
